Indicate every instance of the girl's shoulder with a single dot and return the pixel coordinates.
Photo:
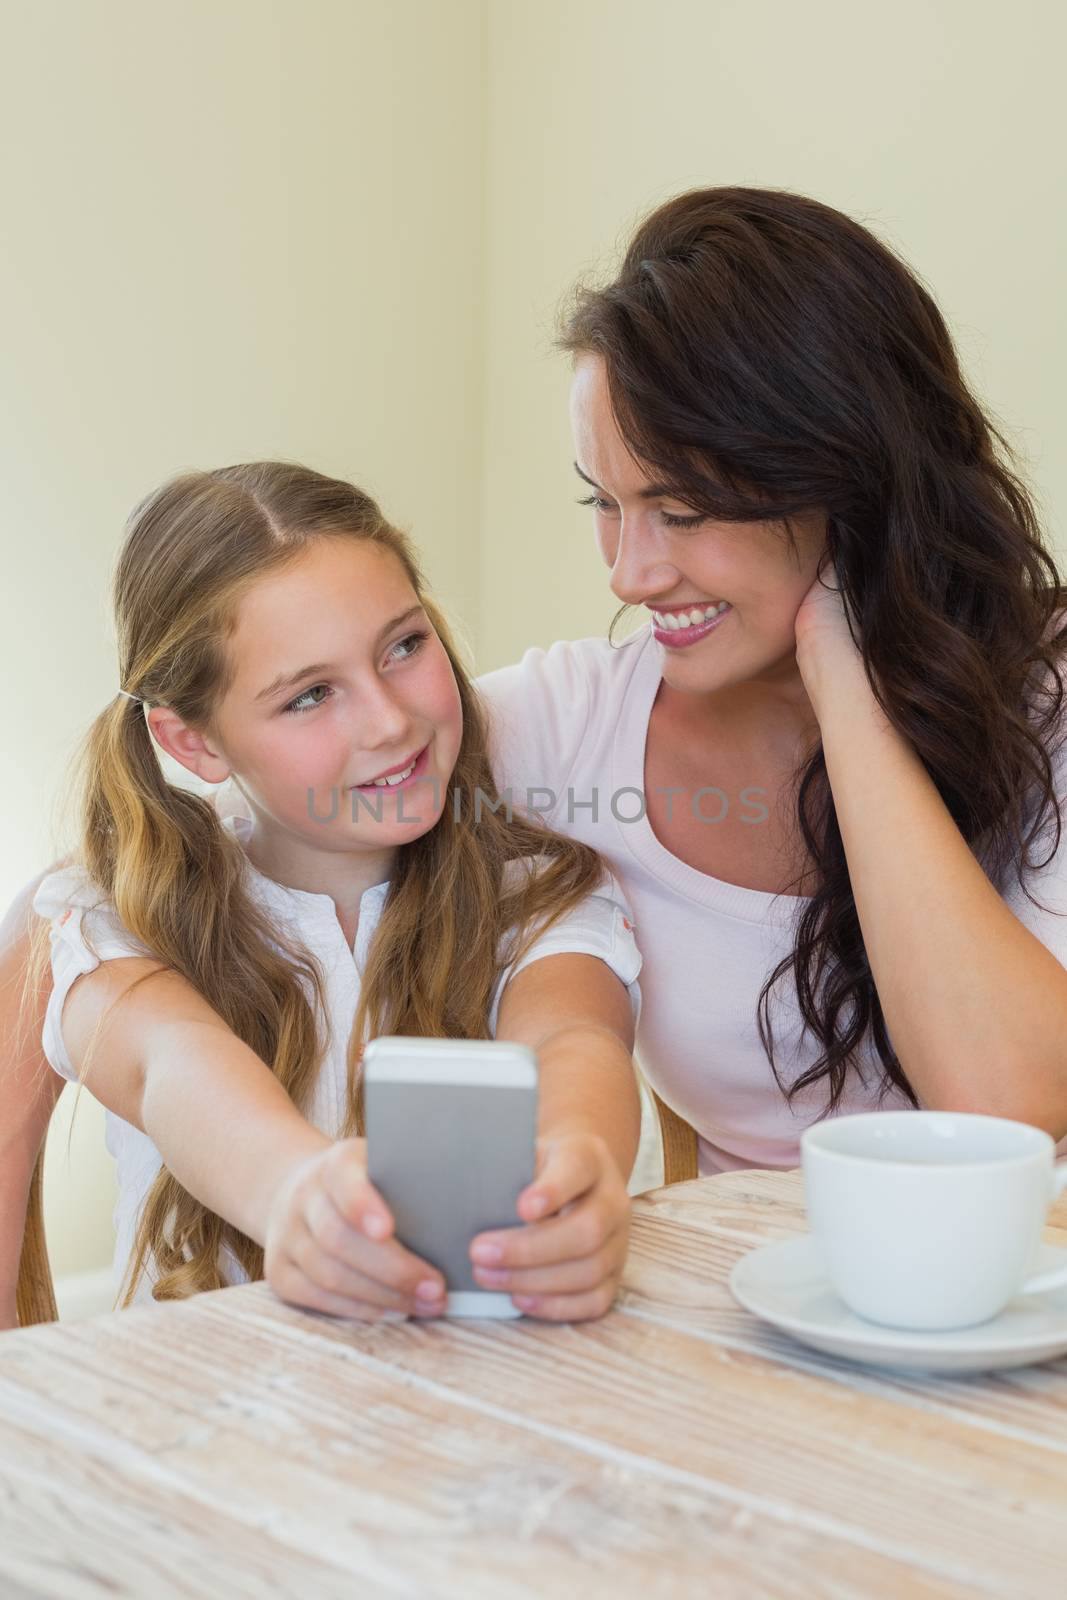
(69, 886)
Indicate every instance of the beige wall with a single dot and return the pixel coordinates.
(229, 230)
(937, 121)
(242, 229)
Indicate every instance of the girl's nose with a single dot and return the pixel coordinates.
(383, 720)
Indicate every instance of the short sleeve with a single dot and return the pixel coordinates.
(601, 925)
(84, 931)
(538, 717)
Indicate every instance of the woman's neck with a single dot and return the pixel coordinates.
(771, 717)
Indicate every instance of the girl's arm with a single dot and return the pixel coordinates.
(28, 1091)
(975, 1004)
(566, 1264)
(159, 1057)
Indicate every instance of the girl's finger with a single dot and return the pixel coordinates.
(569, 1170)
(567, 1277)
(344, 1177)
(352, 1282)
(568, 1307)
(388, 1264)
(299, 1291)
(582, 1232)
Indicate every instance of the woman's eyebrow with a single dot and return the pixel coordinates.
(652, 491)
(289, 680)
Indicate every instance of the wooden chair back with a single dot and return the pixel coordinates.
(679, 1144)
(35, 1297)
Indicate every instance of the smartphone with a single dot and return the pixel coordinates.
(451, 1142)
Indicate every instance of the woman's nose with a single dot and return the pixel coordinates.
(639, 569)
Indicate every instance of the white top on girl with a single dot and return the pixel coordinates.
(85, 930)
(569, 725)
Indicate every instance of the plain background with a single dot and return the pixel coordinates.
(340, 232)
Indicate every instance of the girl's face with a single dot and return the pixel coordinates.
(339, 679)
(675, 563)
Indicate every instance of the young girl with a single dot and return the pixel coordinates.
(213, 982)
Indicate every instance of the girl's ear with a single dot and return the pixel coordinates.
(188, 747)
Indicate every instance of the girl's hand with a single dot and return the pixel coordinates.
(329, 1243)
(567, 1267)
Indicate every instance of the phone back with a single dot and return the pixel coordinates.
(451, 1140)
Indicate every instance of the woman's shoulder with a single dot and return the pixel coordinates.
(567, 673)
(541, 708)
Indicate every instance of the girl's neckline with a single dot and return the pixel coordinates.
(241, 828)
(628, 772)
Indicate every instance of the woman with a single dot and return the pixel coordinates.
(772, 425)
(842, 775)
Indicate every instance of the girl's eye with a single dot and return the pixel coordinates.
(416, 640)
(597, 502)
(306, 701)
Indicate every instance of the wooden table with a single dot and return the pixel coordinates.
(233, 1447)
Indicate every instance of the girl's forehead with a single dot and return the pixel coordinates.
(334, 598)
(355, 577)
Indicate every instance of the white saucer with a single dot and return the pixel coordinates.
(785, 1284)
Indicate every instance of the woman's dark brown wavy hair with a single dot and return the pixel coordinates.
(768, 356)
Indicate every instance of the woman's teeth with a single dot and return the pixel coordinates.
(673, 620)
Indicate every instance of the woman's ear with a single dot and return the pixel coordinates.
(191, 749)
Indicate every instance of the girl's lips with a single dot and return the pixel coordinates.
(678, 638)
(422, 761)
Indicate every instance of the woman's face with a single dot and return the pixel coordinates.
(679, 565)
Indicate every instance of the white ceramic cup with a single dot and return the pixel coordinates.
(930, 1219)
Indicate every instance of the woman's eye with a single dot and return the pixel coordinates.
(670, 518)
(672, 521)
(304, 701)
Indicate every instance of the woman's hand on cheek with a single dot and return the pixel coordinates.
(565, 1267)
(329, 1243)
(824, 641)
(821, 621)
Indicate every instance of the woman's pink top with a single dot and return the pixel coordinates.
(570, 725)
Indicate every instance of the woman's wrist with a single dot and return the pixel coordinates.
(835, 681)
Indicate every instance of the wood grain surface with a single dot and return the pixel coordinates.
(232, 1446)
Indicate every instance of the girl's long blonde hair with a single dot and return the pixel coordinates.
(176, 877)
